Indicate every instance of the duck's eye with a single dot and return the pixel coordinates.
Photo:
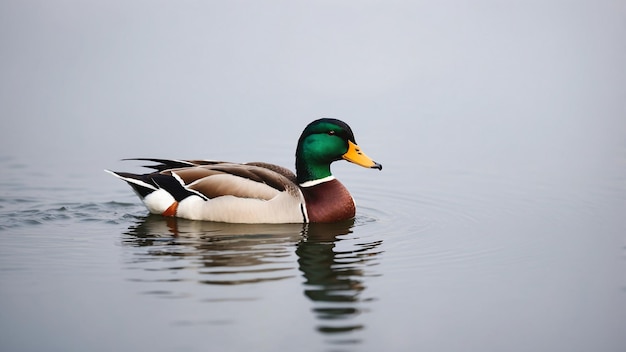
(331, 133)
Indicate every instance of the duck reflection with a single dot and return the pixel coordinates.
(333, 263)
(220, 253)
(334, 274)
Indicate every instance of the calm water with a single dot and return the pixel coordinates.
(454, 262)
(497, 224)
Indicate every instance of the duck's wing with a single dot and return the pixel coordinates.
(211, 179)
(276, 168)
(231, 179)
(166, 164)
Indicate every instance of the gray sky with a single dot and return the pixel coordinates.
(114, 79)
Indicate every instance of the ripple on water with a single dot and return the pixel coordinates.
(398, 213)
(465, 220)
(21, 213)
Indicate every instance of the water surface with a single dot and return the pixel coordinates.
(487, 260)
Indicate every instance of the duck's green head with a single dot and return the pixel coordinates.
(324, 141)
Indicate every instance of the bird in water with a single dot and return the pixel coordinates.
(257, 192)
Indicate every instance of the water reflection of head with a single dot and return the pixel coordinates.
(334, 276)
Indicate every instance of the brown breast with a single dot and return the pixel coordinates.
(328, 202)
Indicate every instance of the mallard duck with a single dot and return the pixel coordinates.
(257, 192)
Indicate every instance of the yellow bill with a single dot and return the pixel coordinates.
(355, 155)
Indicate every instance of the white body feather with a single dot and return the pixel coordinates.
(283, 208)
